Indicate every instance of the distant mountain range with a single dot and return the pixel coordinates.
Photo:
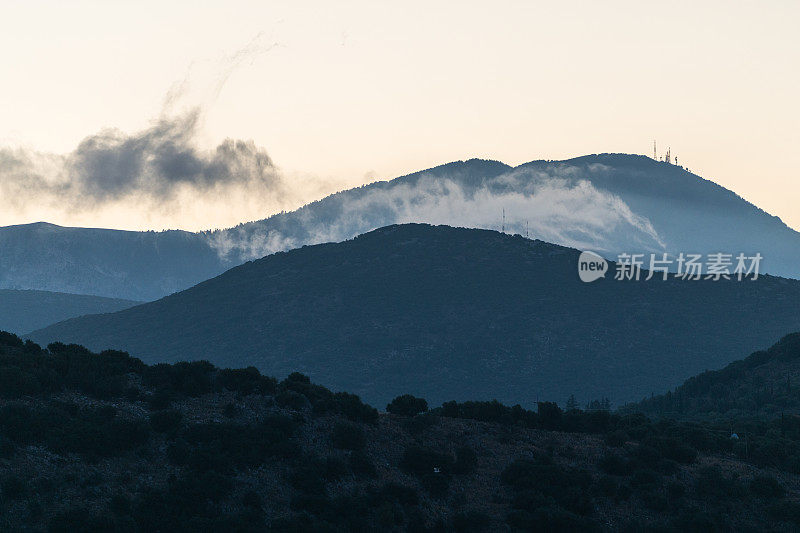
(447, 313)
(24, 311)
(609, 203)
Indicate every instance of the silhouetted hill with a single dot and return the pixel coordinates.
(765, 384)
(449, 313)
(24, 311)
(137, 265)
(609, 203)
(102, 442)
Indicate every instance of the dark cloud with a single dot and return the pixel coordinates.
(156, 163)
(158, 160)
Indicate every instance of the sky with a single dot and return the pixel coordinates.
(195, 115)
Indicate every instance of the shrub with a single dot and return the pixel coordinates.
(549, 415)
(246, 381)
(290, 399)
(166, 421)
(404, 495)
(549, 519)
(466, 461)
(436, 484)
(13, 487)
(361, 465)
(420, 461)
(766, 487)
(470, 522)
(353, 408)
(407, 405)
(308, 479)
(675, 490)
(712, 482)
(615, 465)
(786, 510)
(606, 486)
(645, 478)
(347, 436)
(617, 438)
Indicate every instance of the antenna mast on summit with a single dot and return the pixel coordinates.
(503, 227)
(655, 156)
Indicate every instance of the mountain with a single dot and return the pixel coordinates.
(24, 311)
(609, 203)
(103, 442)
(450, 313)
(765, 384)
(136, 265)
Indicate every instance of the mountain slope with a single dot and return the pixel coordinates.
(111, 444)
(449, 313)
(767, 383)
(609, 203)
(123, 264)
(24, 311)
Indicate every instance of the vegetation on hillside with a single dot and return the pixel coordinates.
(103, 442)
(765, 385)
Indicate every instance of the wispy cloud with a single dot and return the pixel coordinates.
(561, 208)
(160, 169)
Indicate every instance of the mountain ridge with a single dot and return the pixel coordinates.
(611, 203)
(451, 313)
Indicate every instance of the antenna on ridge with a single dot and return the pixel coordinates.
(526, 229)
(654, 150)
(503, 227)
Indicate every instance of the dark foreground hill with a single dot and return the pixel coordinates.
(449, 313)
(765, 384)
(102, 442)
(25, 311)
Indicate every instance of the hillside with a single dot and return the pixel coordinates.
(449, 313)
(25, 311)
(135, 265)
(609, 203)
(102, 442)
(765, 384)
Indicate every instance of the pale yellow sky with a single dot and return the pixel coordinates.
(356, 91)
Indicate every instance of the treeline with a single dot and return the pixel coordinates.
(236, 450)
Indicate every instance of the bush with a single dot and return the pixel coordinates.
(712, 482)
(166, 421)
(766, 487)
(547, 519)
(615, 465)
(645, 478)
(471, 522)
(420, 461)
(436, 484)
(347, 436)
(290, 399)
(354, 409)
(246, 381)
(308, 479)
(407, 405)
(606, 486)
(617, 438)
(466, 461)
(406, 496)
(13, 487)
(361, 465)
